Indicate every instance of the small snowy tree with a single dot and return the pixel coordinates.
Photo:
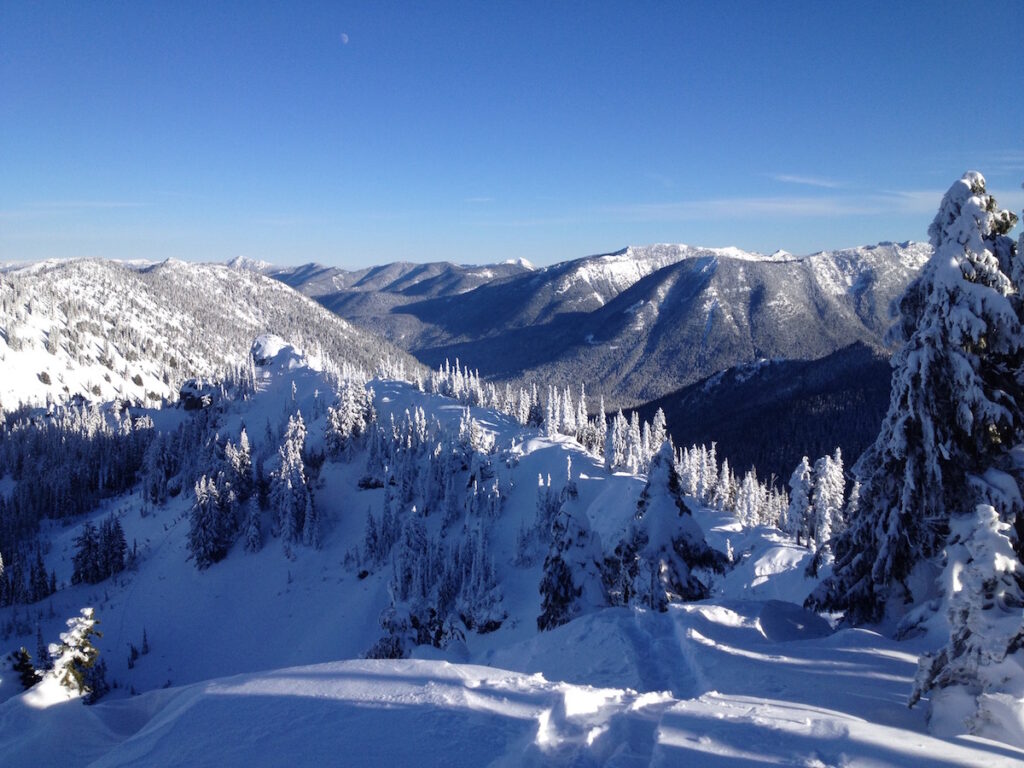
(798, 514)
(977, 680)
(21, 663)
(75, 655)
(655, 563)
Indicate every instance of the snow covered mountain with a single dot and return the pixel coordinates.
(637, 323)
(702, 314)
(254, 654)
(374, 297)
(104, 330)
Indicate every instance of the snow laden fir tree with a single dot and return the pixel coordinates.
(940, 482)
(659, 560)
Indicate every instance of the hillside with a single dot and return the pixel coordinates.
(743, 674)
(374, 297)
(771, 413)
(104, 330)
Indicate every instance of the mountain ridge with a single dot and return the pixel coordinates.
(103, 330)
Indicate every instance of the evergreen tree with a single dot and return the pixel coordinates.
(42, 651)
(983, 661)
(86, 560)
(725, 489)
(290, 492)
(601, 432)
(311, 524)
(113, 547)
(21, 662)
(634, 459)
(571, 578)
(252, 530)
(827, 498)
(954, 411)
(204, 536)
(798, 515)
(239, 459)
(75, 655)
(655, 563)
(751, 499)
(371, 540)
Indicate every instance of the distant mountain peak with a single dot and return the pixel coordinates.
(245, 264)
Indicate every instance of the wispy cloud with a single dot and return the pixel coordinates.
(1010, 161)
(807, 181)
(785, 206)
(64, 205)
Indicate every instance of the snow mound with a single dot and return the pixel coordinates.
(427, 713)
(416, 712)
(270, 351)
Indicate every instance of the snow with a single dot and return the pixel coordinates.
(751, 701)
(255, 660)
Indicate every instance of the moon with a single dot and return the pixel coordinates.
(344, 38)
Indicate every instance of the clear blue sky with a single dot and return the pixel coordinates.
(358, 133)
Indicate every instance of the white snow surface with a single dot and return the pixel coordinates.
(255, 661)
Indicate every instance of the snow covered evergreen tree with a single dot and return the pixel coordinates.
(239, 460)
(724, 496)
(75, 655)
(571, 579)
(206, 540)
(798, 515)
(827, 498)
(290, 494)
(654, 564)
(978, 677)
(954, 412)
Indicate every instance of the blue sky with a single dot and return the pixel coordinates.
(361, 133)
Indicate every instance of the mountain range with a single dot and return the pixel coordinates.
(634, 324)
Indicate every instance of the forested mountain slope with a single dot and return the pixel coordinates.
(104, 330)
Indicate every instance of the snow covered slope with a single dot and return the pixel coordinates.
(106, 330)
(254, 660)
(433, 713)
